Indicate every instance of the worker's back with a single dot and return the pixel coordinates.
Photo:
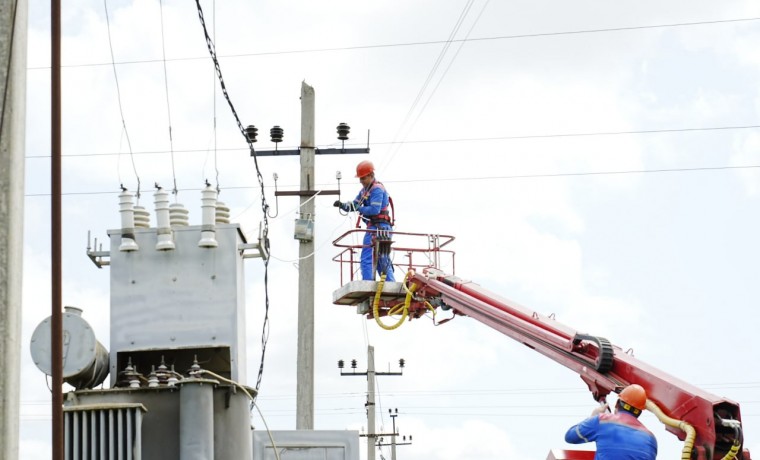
(618, 436)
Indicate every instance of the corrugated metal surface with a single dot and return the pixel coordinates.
(103, 432)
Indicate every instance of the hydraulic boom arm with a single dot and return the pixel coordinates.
(605, 368)
(710, 426)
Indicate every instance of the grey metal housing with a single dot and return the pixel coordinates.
(180, 304)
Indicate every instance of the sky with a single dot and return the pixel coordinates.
(597, 161)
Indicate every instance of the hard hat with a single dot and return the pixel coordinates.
(364, 168)
(635, 396)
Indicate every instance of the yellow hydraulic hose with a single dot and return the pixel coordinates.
(402, 307)
(376, 303)
(733, 451)
(691, 433)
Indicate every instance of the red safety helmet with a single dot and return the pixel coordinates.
(364, 168)
(635, 396)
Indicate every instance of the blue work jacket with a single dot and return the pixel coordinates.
(618, 436)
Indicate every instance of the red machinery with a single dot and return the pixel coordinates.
(709, 425)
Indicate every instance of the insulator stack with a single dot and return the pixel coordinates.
(164, 231)
(208, 226)
(222, 213)
(142, 217)
(178, 215)
(127, 210)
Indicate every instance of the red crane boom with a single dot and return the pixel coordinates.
(710, 425)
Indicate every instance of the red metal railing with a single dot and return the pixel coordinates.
(418, 251)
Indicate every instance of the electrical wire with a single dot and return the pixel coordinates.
(482, 178)
(439, 59)
(118, 95)
(461, 139)
(264, 205)
(423, 43)
(216, 164)
(320, 246)
(435, 88)
(166, 89)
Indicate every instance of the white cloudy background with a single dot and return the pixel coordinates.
(572, 148)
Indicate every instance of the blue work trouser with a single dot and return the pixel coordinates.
(384, 264)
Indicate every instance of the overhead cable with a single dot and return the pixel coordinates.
(422, 43)
(435, 88)
(482, 178)
(168, 105)
(118, 95)
(264, 205)
(462, 139)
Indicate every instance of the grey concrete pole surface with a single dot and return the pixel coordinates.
(393, 439)
(13, 26)
(371, 403)
(305, 358)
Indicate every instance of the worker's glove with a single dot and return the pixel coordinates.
(600, 409)
(347, 206)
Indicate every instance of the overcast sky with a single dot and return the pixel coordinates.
(594, 160)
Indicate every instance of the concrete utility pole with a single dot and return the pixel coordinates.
(305, 374)
(371, 374)
(13, 26)
(371, 435)
(307, 194)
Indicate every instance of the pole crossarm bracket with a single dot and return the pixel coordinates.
(329, 151)
(307, 192)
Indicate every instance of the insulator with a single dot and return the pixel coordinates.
(353, 364)
(178, 215)
(152, 378)
(340, 364)
(126, 209)
(276, 134)
(343, 130)
(251, 132)
(142, 217)
(165, 238)
(401, 363)
(208, 210)
(222, 213)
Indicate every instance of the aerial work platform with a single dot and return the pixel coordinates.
(361, 293)
(409, 252)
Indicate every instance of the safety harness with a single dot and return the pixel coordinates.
(386, 214)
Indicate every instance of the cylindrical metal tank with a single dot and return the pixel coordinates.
(85, 360)
(196, 419)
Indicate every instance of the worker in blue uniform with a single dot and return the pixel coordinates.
(619, 435)
(372, 203)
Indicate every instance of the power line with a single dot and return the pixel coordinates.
(166, 88)
(264, 206)
(118, 95)
(422, 43)
(462, 139)
(462, 16)
(483, 178)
